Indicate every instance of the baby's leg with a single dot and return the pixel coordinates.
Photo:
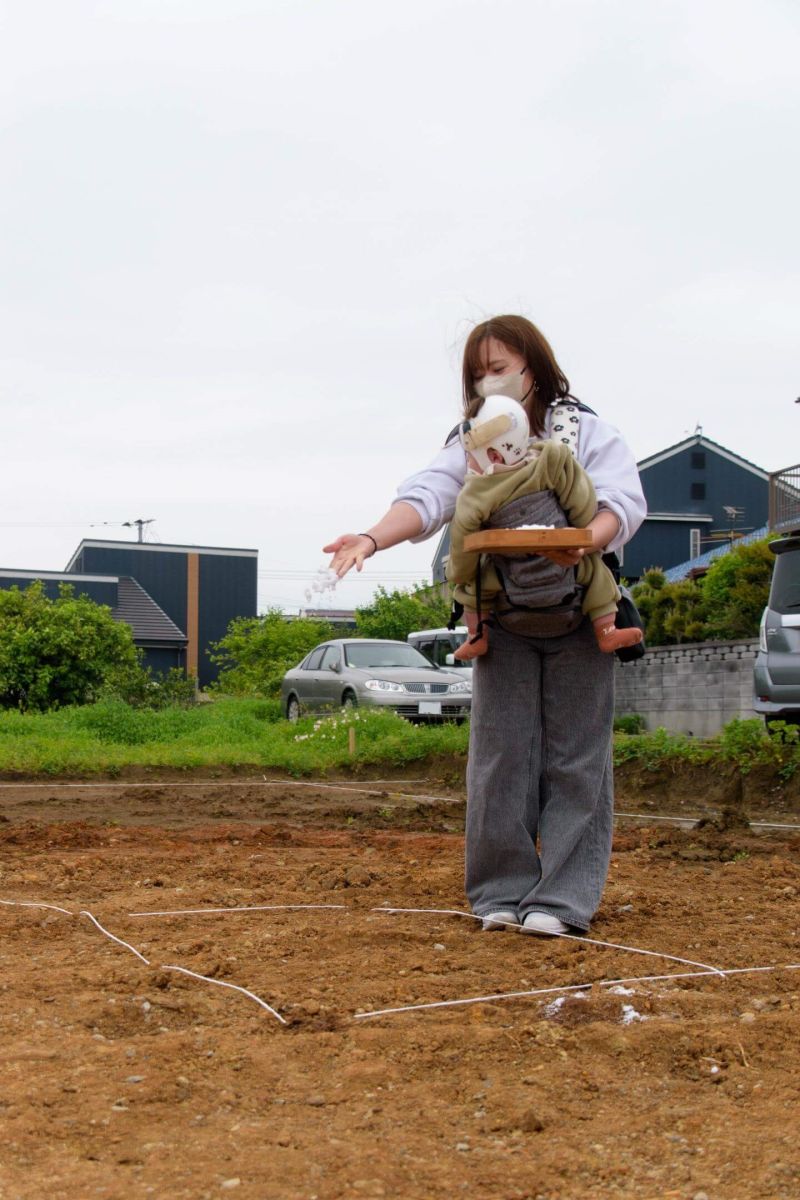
(600, 603)
(609, 638)
(476, 644)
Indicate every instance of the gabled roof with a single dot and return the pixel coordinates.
(699, 439)
(148, 621)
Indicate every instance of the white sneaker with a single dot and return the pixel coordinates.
(497, 921)
(543, 923)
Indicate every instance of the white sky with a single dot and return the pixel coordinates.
(243, 243)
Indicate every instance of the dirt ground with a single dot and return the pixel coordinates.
(123, 1079)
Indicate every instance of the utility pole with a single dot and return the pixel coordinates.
(140, 524)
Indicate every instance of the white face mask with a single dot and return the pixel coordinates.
(515, 385)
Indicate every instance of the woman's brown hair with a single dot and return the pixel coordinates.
(521, 335)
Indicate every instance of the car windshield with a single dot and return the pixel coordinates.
(785, 592)
(370, 655)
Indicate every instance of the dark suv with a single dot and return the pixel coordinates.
(777, 669)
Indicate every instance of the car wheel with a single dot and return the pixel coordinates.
(349, 700)
(293, 709)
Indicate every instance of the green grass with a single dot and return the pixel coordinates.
(105, 738)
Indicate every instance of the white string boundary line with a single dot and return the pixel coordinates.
(184, 970)
(574, 987)
(119, 941)
(211, 783)
(182, 912)
(693, 819)
(235, 987)
(454, 912)
(37, 904)
(708, 972)
(569, 936)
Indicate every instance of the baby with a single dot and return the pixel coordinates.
(509, 478)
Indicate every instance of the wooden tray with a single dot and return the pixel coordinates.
(528, 541)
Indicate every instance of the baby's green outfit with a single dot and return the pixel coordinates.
(550, 466)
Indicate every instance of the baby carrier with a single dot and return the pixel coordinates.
(539, 597)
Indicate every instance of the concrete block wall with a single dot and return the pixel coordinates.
(693, 688)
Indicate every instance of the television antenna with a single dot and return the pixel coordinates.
(734, 530)
(139, 524)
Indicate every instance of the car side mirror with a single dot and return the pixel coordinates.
(450, 660)
(336, 666)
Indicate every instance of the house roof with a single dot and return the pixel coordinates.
(707, 443)
(684, 569)
(228, 551)
(60, 576)
(148, 621)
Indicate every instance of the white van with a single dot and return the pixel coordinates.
(439, 646)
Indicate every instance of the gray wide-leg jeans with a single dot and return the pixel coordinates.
(540, 767)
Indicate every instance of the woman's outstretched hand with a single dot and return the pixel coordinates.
(349, 550)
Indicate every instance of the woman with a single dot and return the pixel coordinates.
(542, 707)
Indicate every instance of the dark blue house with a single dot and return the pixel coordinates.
(178, 600)
(694, 489)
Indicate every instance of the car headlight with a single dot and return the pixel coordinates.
(383, 685)
(465, 686)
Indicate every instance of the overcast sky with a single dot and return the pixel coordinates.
(243, 243)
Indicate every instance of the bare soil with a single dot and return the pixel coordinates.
(121, 1079)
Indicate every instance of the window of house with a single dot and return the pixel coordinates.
(694, 543)
(698, 491)
(699, 460)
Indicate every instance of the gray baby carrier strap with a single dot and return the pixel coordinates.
(540, 598)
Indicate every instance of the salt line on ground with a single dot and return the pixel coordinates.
(119, 941)
(181, 912)
(574, 987)
(690, 962)
(234, 986)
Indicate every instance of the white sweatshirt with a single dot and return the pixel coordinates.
(602, 451)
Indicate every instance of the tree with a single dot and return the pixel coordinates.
(725, 604)
(256, 652)
(398, 613)
(58, 652)
(736, 590)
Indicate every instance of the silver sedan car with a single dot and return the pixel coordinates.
(348, 672)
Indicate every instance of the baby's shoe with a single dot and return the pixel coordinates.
(610, 639)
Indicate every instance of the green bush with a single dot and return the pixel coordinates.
(724, 604)
(629, 723)
(59, 652)
(397, 614)
(256, 652)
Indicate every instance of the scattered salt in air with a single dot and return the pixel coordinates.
(325, 581)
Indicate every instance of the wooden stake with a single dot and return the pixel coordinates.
(351, 740)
